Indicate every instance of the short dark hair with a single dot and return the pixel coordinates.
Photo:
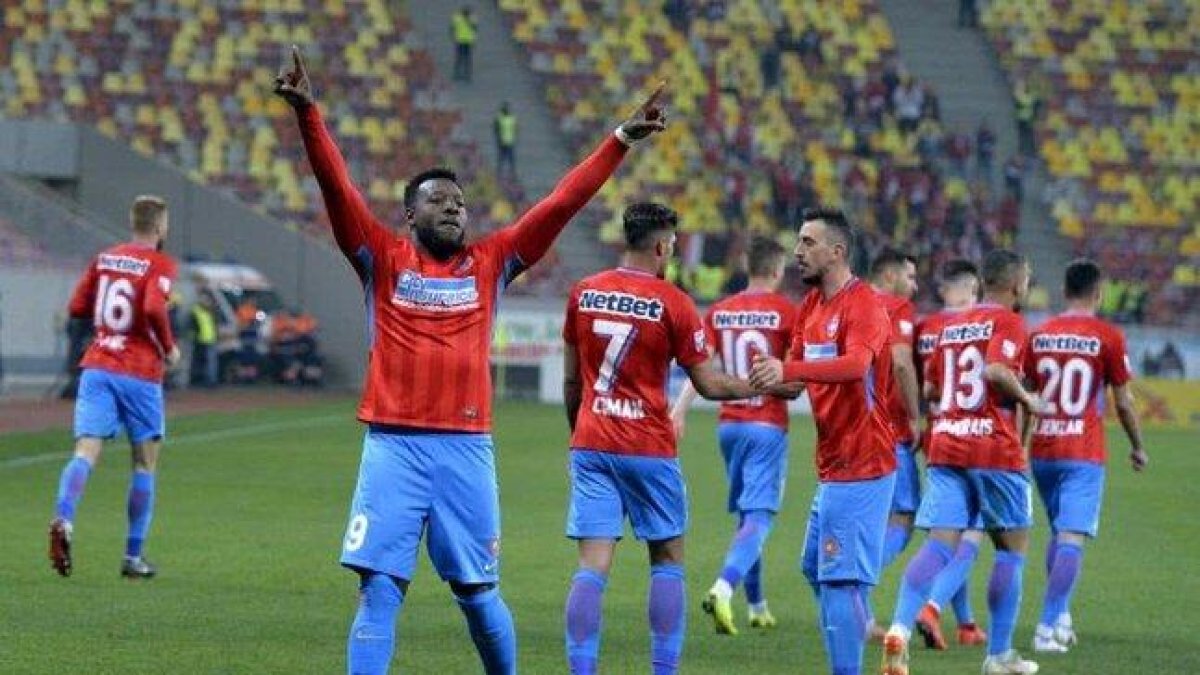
(837, 222)
(1081, 279)
(957, 268)
(1000, 267)
(415, 183)
(763, 256)
(889, 258)
(643, 219)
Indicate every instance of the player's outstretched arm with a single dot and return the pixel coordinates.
(1127, 413)
(353, 224)
(715, 385)
(534, 233)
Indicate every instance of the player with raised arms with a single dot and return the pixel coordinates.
(839, 345)
(125, 292)
(427, 468)
(622, 330)
(752, 433)
(977, 465)
(1072, 359)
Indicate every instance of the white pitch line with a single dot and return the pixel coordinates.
(185, 439)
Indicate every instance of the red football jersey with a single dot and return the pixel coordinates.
(1071, 358)
(125, 290)
(627, 326)
(975, 426)
(854, 437)
(430, 321)
(737, 328)
(901, 318)
(925, 337)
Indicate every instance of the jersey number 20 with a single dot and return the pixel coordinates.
(1067, 386)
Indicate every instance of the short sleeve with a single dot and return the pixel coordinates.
(689, 345)
(1008, 342)
(710, 331)
(572, 313)
(903, 325)
(1117, 368)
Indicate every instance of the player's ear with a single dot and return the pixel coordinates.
(409, 214)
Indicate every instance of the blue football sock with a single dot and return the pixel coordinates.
(70, 487)
(844, 625)
(1061, 582)
(584, 620)
(951, 586)
(747, 546)
(918, 579)
(140, 511)
(491, 626)
(667, 617)
(1004, 599)
(1051, 551)
(752, 583)
(373, 633)
(895, 539)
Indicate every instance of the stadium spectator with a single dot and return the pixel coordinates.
(463, 31)
(1026, 104)
(985, 151)
(908, 101)
(295, 357)
(204, 366)
(1014, 177)
(504, 129)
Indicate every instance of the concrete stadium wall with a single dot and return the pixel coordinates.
(107, 175)
(33, 304)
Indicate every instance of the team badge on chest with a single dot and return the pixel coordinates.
(831, 328)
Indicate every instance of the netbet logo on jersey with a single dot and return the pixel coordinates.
(725, 319)
(122, 263)
(434, 294)
(622, 304)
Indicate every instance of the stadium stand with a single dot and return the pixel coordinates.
(189, 82)
(777, 106)
(1119, 132)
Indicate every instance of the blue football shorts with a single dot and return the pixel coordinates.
(107, 402)
(958, 498)
(907, 496)
(440, 485)
(1072, 492)
(606, 488)
(846, 526)
(756, 460)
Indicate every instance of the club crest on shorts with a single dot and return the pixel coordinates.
(830, 547)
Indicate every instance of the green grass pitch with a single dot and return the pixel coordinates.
(249, 519)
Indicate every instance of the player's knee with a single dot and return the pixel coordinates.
(469, 590)
(381, 590)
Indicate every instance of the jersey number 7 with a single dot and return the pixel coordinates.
(620, 339)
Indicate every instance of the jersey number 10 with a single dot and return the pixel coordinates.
(737, 350)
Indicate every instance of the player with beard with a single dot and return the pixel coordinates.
(427, 467)
(839, 345)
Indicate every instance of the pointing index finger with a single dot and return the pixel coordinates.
(655, 95)
(297, 59)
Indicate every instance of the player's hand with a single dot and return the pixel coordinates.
(765, 372)
(1139, 459)
(173, 356)
(649, 118)
(292, 84)
(1038, 405)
